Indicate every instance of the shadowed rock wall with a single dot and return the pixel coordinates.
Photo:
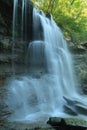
(6, 21)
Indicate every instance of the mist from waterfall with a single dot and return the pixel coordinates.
(48, 87)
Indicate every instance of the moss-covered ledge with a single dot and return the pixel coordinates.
(67, 123)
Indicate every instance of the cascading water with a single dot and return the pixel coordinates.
(48, 88)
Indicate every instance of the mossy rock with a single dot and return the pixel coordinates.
(67, 121)
(75, 121)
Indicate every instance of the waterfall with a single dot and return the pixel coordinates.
(48, 87)
(13, 31)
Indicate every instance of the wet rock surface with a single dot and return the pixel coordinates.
(54, 123)
(67, 123)
(80, 65)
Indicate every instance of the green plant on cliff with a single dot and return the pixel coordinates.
(70, 15)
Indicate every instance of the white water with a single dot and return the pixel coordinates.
(15, 11)
(49, 84)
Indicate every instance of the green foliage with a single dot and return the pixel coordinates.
(70, 15)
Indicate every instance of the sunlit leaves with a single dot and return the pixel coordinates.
(77, 4)
(69, 15)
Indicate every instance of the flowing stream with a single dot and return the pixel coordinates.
(48, 87)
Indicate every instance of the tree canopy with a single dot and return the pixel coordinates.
(70, 15)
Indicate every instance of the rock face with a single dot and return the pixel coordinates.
(6, 11)
(5, 56)
(80, 66)
(6, 16)
(79, 55)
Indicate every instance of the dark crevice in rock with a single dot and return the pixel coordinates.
(6, 10)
